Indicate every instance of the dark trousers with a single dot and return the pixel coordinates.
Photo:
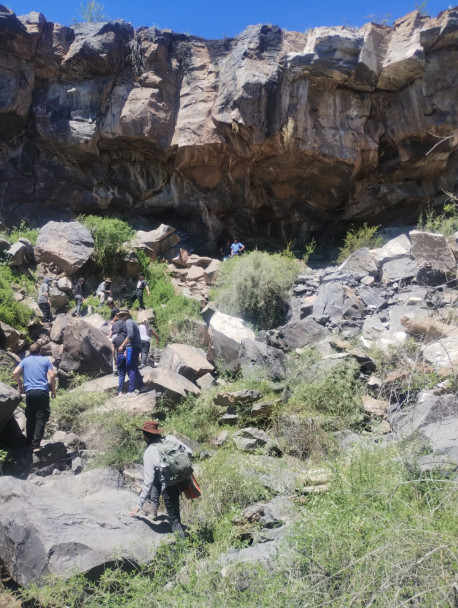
(135, 377)
(137, 295)
(145, 351)
(171, 496)
(37, 414)
(45, 308)
(122, 370)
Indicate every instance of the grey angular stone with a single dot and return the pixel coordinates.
(371, 298)
(360, 264)
(251, 439)
(337, 301)
(432, 250)
(172, 386)
(433, 417)
(400, 269)
(257, 358)
(226, 335)
(9, 400)
(398, 247)
(297, 335)
(59, 299)
(247, 395)
(186, 360)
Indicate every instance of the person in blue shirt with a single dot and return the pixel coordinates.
(132, 345)
(34, 375)
(236, 248)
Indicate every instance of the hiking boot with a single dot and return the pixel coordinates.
(133, 393)
(144, 389)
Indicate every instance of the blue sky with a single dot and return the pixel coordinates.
(212, 19)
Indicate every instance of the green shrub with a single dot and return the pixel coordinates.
(255, 286)
(171, 309)
(109, 235)
(13, 313)
(334, 392)
(67, 409)
(22, 231)
(356, 238)
(444, 222)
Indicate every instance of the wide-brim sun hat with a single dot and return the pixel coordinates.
(123, 313)
(151, 427)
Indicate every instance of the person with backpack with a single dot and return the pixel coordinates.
(138, 293)
(166, 463)
(78, 294)
(44, 301)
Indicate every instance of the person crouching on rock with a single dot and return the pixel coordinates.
(154, 482)
(33, 374)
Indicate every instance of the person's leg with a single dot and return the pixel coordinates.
(47, 318)
(121, 366)
(79, 301)
(145, 351)
(140, 299)
(37, 415)
(130, 368)
(133, 297)
(30, 416)
(138, 380)
(171, 496)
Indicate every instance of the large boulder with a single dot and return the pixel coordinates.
(20, 253)
(172, 386)
(398, 247)
(59, 299)
(432, 250)
(156, 242)
(252, 439)
(443, 353)
(59, 324)
(9, 400)
(259, 359)
(433, 417)
(10, 337)
(86, 350)
(71, 525)
(186, 360)
(226, 335)
(69, 245)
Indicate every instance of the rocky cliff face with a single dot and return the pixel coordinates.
(272, 134)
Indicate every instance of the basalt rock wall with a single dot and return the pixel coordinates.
(272, 135)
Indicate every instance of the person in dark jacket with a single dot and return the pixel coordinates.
(44, 301)
(138, 293)
(132, 345)
(78, 294)
(113, 308)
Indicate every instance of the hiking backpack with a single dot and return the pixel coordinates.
(175, 461)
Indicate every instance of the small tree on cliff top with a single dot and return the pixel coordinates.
(91, 12)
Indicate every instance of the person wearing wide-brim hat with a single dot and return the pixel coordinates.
(154, 483)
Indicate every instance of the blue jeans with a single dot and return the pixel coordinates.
(135, 378)
(121, 367)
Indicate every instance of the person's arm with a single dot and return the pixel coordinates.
(17, 374)
(130, 334)
(156, 335)
(147, 289)
(113, 351)
(242, 247)
(149, 472)
(52, 377)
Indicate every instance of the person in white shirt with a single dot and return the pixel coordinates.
(146, 332)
